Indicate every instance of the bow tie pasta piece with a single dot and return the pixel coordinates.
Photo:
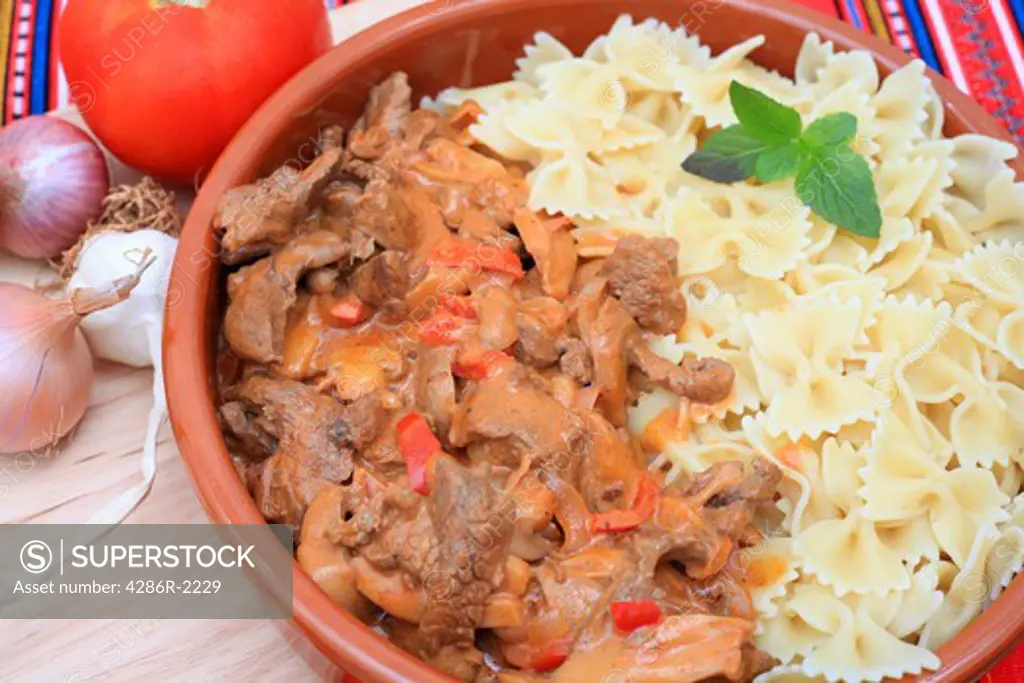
(491, 129)
(844, 250)
(796, 629)
(931, 279)
(705, 87)
(996, 270)
(913, 539)
(948, 232)
(712, 313)
(648, 54)
(666, 111)
(553, 127)
(987, 427)
(965, 593)
(1006, 557)
(906, 259)
(824, 70)
(487, 96)
(978, 160)
(918, 345)
(899, 107)
(761, 227)
(821, 234)
(645, 175)
(913, 185)
(788, 674)
(839, 283)
(850, 643)
(628, 133)
(905, 613)
(902, 480)
(848, 555)
(545, 49)
(1010, 479)
(595, 90)
(840, 465)
(575, 186)
(797, 355)
(894, 232)
(985, 197)
(769, 569)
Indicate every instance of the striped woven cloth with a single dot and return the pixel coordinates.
(977, 44)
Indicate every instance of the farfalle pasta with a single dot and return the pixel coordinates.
(883, 376)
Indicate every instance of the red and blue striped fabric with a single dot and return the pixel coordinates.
(977, 44)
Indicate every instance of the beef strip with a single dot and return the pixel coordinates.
(256, 218)
(312, 449)
(364, 421)
(703, 380)
(473, 520)
(496, 313)
(641, 277)
(509, 412)
(389, 103)
(434, 386)
(575, 360)
(382, 281)
(541, 323)
(240, 422)
(383, 213)
(261, 295)
(461, 663)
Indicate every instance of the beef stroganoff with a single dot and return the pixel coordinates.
(542, 405)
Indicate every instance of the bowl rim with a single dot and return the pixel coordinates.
(188, 365)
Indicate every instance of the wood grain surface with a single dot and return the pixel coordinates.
(103, 459)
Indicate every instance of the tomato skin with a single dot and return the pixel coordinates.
(165, 87)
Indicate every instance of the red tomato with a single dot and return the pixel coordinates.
(165, 86)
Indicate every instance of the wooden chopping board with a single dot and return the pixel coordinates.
(102, 460)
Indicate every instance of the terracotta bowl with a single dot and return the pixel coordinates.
(463, 43)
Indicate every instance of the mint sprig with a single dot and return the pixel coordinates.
(770, 143)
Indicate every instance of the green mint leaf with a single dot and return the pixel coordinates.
(777, 163)
(762, 116)
(831, 131)
(837, 185)
(728, 156)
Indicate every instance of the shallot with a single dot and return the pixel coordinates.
(45, 365)
(53, 178)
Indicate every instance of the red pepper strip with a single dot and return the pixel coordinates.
(458, 253)
(349, 310)
(417, 445)
(441, 329)
(478, 366)
(644, 506)
(551, 657)
(459, 305)
(629, 616)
